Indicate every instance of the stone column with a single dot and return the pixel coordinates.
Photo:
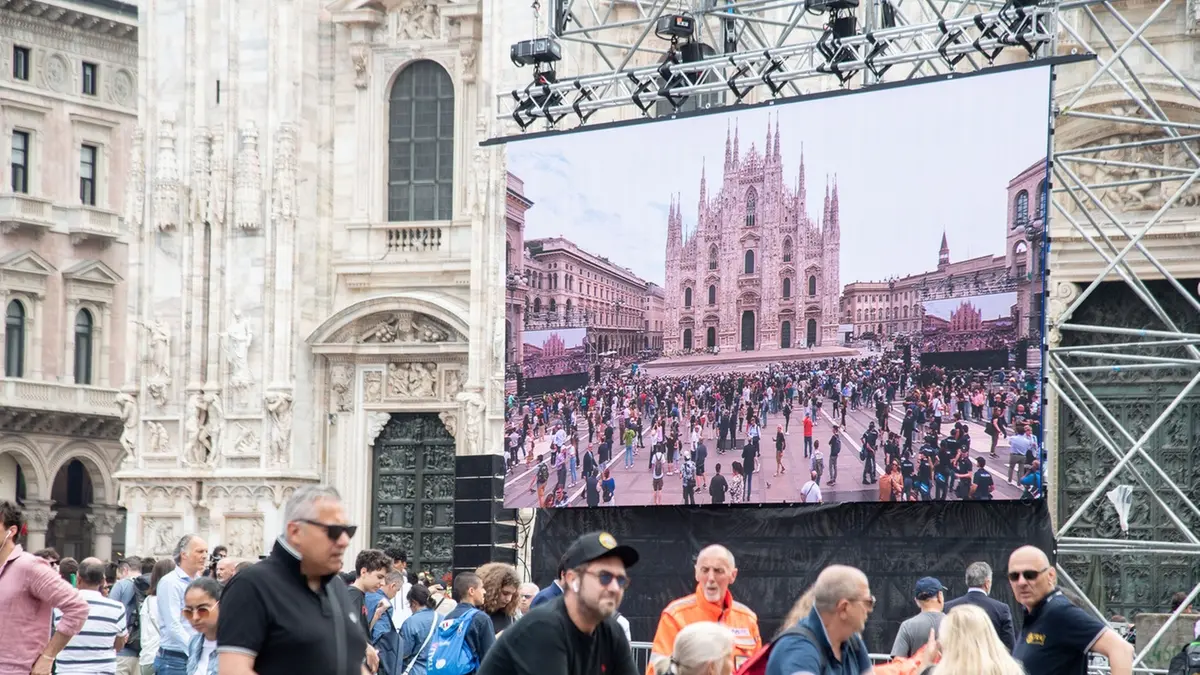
(104, 521)
(38, 515)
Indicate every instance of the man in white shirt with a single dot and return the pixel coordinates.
(658, 465)
(93, 650)
(400, 610)
(811, 492)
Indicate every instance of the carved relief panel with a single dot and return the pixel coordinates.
(413, 495)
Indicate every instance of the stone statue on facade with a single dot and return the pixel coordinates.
(247, 181)
(198, 444)
(218, 185)
(474, 408)
(159, 337)
(127, 405)
(135, 196)
(450, 421)
(279, 408)
(283, 204)
(158, 440)
(418, 20)
(166, 179)
(412, 380)
(340, 378)
(237, 351)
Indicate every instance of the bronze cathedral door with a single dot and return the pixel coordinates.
(413, 491)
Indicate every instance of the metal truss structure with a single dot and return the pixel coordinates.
(1112, 186)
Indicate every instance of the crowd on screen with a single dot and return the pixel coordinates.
(548, 366)
(715, 436)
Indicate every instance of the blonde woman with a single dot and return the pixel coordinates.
(703, 648)
(969, 645)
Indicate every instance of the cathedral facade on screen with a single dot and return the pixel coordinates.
(758, 272)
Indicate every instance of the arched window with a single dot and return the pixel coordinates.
(1043, 199)
(712, 295)
(553, 305)
(687, 297)
(812, 285)
(751, 207)
(83, 347)
(712, 258)
(860, 315)
(906, 311)
(749, 265)
(421, 144)
(787, 249)
(787, 288)
(1021, 210)
(537, 304)
(14, 340)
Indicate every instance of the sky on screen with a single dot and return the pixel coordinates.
(990, 307)
(911, 162)
(571, 337)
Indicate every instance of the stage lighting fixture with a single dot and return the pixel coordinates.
(537, 96)
(674, 78)
(537, 51)
(842, 25)
(819, 6)
(675, 27)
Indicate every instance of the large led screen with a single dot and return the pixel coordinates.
(829, 300)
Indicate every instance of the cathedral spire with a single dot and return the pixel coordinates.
(825, 213)
(703, 185)
(728, 158)
(944, 251)
(775, 151)
(737, 155)
(834, 211)
(802, 189)
(770, 142)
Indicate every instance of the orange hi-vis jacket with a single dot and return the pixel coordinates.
(694, 608)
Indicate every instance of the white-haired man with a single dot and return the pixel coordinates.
(291, 613)
(712, 601)
(828, 639)
(175, 634)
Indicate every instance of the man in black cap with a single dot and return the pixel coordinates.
(577, 632)
(914, 632)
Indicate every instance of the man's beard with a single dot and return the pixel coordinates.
(600, 610)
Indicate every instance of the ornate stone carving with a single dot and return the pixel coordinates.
(201, 149)
(244, 441)
(1141, 195)
(455, 379)
(159, 337)
(279, 409)
(218, 185)
(417, 20)
(283, 203)
(450, 420)
(340, 382)
(412, 380)
(477, 188)
(373, 386)
(158, 441)
(1062, 295)
(244, 537)
(237, 352)
(38, 516)
(359, 54)
(474, 408)
(104, 521)
(247, 179)
(57, 73)
(135, 196)
(467, 53)
(159, 535)
(127, 405)
(204, 425)
(120, 87)
(406, 327)
(376, 421)
(166, 179)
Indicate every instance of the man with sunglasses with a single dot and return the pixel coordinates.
(577, 632)
(1057, 636)
(291, 613)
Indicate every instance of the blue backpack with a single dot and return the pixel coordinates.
(449, 653)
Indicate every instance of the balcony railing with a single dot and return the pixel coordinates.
(68, 398)
(89, 222)
(546, 319)
(21, 211)
(413, 239)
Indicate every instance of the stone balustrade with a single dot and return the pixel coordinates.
(56, 397)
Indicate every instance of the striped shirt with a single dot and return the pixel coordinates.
(92, 650)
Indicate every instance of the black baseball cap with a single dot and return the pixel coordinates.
(928, 587)
(596, 545)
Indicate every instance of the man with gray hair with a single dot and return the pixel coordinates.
(979, 585)
(291, 613)
(191, 555)
(829, 637)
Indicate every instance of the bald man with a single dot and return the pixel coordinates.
(712, 601)
(829, 637)
(1057, 636)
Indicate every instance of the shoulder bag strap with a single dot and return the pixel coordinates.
(432, 630)
(805, 632)
(339, 627)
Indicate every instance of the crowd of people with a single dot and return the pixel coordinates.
(298, 611)
(710, 436)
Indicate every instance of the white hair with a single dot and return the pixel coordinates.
(697, 647)
(303, 503)
(719, 549)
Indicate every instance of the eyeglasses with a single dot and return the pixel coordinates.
(606, 578)
(527, 596)
(198, 612)
(334, 532)
(868, 602)
(1029, 575)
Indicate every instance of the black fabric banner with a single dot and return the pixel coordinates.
(779, 550)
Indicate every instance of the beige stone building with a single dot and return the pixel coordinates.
(68, 106)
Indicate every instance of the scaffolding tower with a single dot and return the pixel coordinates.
(1124, 158)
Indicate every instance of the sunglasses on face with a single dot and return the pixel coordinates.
(1029, 575)
(334, 532)
(606, 579)
(199, 612)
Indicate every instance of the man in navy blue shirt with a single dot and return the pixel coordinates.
(554, 590)
(1057, 636)
(842, 601)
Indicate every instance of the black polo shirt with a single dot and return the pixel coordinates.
(545, 641)
(1056, 637)
(269, 612)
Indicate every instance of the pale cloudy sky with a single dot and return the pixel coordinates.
(571, 337)
(990, 307)
(911, 162)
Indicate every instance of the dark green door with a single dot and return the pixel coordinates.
(413, 495)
